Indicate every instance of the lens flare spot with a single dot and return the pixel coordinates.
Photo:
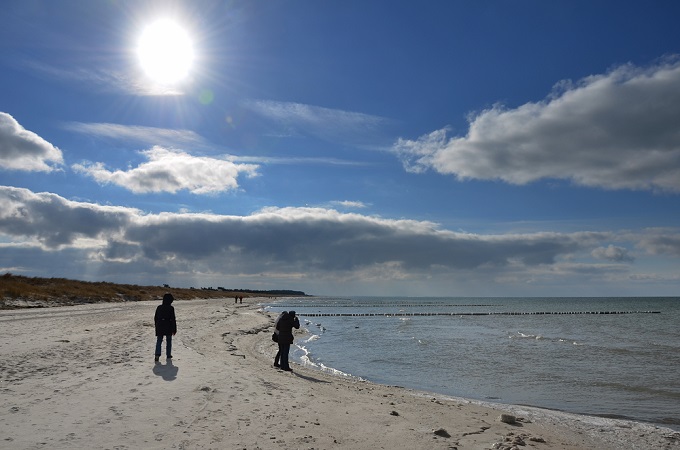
(206, 97)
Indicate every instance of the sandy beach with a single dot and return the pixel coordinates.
(84, 377)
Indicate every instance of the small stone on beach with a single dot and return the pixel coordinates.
(441, 432)
(507, 418)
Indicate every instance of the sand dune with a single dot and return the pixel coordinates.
(84, 377)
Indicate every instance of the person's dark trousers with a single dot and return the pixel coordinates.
(276, 359)
(168, 345)
(284, 348)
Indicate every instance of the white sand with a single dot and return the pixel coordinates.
(83, 377)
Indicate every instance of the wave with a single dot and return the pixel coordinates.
(540, 337)
(318, 325)
(306, 360)
(520, 335)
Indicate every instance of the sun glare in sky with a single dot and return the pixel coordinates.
(165, 52)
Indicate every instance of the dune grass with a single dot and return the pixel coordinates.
(65, 291)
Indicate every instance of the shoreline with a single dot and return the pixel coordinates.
(593, 425)
(596, 420)
(84, 377)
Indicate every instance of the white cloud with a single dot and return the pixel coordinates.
(612, 253)
(349, 204)
(172, 171)
(21, 149)
(661, 242)
(613, 131)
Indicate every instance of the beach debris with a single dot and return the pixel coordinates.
(481, 430)
(513, 442)
(507, 418)
(673, 436)
(394, 413)
(441, 432)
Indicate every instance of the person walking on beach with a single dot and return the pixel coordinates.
(285, 326)
(166, 325)
(276, 338)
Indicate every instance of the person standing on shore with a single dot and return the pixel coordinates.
(285, 325)
(276, 338)
(166, 325)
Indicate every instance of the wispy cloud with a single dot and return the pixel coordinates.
(172, 171)
(618, 130)
(147, 135)
(296, 160)
(325, 123)
(21, 149)
(170, 138)
(108, 80)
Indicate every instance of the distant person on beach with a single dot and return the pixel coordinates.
(235, 299)
(285, 326)
(166, 325)
(276, 338)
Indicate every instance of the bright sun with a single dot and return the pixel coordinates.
(165, 52)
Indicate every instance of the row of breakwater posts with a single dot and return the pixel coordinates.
(381, 305)
(502, 313)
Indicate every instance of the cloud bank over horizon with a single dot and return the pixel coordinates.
(302, 244)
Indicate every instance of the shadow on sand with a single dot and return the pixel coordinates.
(168, 370)
(308, 378)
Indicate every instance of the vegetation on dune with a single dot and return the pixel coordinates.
(62, 291)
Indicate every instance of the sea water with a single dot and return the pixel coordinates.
(611, 357)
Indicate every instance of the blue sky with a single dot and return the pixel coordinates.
(481, 148)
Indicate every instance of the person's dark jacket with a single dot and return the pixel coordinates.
(285, 326)
(164, 319)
